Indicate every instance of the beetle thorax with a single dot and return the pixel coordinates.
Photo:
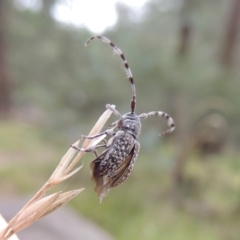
(130, 123)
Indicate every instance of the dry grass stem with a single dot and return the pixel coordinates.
(3, 225)
(62, 199)
(40, 206)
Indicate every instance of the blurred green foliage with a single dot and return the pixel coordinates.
(55, 76)
(146, 206)
(60, 88)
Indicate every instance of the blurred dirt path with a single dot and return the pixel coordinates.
(63, 224)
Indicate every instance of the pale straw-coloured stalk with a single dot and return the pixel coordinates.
(39, 206)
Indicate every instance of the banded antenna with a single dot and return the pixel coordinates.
(119, 52)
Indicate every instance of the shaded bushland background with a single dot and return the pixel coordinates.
(185, 59)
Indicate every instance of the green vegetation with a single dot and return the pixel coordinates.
(146, 206)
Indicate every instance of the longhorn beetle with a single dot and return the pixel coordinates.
(116, 162)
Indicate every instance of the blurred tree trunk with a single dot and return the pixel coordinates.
(5, 90)
(231, 35)
(47, 6)
(182, 130)
(185, 30)
(181, 138)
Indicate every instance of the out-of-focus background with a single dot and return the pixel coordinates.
(185, 58)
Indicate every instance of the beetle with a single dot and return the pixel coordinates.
(114, 165)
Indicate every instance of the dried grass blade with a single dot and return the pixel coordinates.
(4, 225)
(62, 199)
(30, 214)
(61, 179)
